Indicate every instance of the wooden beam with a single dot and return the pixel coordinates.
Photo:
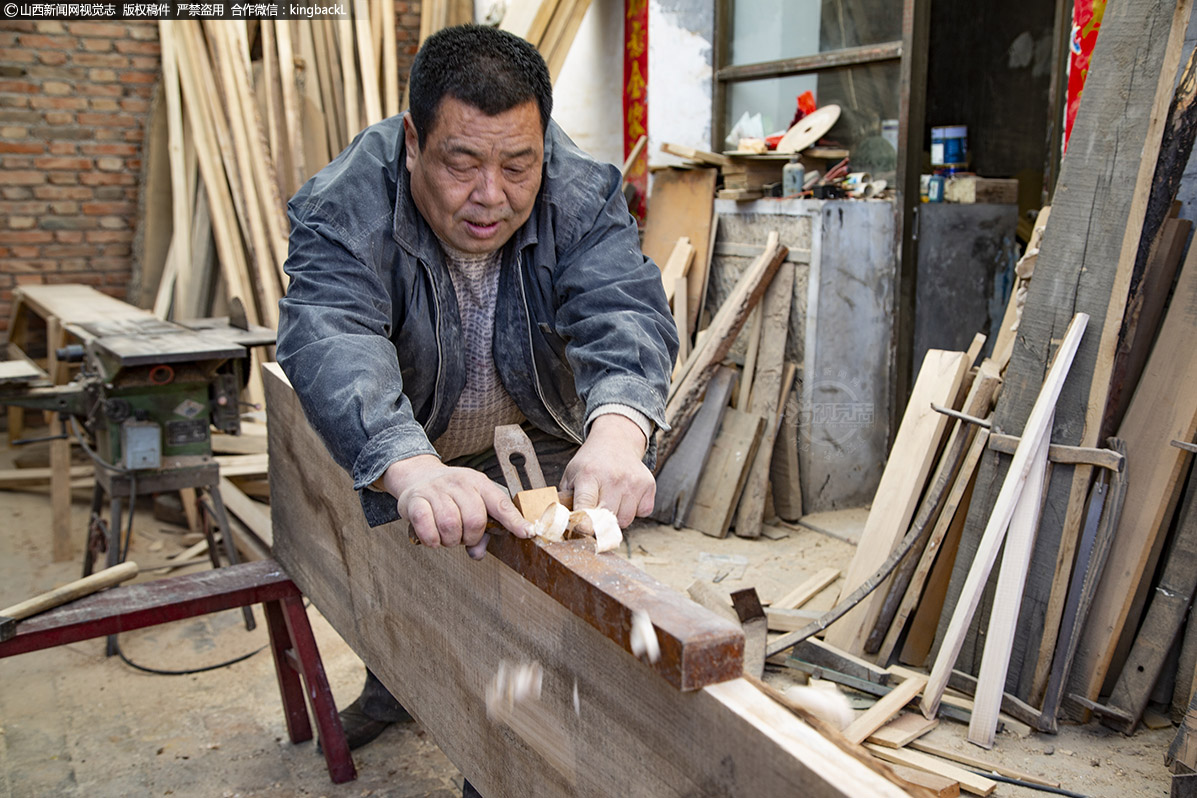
(632, 733)
(912, 457)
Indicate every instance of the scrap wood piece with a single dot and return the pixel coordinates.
(1165, 617)
(764, 397)
(940, 546)
(936, 500)
(880, 713)
(981, 764)
(254, 514)
(903, 730)
(940, 786)
(722, 479)
(1069, 455)
(1037, 428)
(784, 467)
(696, 647)
(677, 267)
(1164, 408)
(682, 151)
(751, 614)
(398, 628)
(678, 477)
(1016, 555)
(1086, 264)
(912, 456)
(809, 588)
(972, 782)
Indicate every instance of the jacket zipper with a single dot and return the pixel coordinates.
(437, 390)
(535, 375)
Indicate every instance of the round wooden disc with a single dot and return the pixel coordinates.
(809, 129)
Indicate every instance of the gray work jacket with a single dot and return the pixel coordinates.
(369, 331)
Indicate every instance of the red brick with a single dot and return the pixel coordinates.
(29, 207)
(114, 223)
(22, 146)
(26, 237)
(143, 31)
(20, 267)
(24, 178)
(20, 86)
(108, 208)
(100, 60)
(67, 250)
(63, 163)
(101, 75)
(103, 104)
(101, 89)
(13, 101)
(59, 118)
(57, 88)
(68, 236)
(15, 192)
(107, 179)
(69, 74)
(38, 42)
(107, 120)
(74, 277)
(58, 103)
(116, 250)
(69, 178)
(109, 30)
(64, 207)
(109, 236)
(14, 132)
(62, 193)
(153, 63)
(138, 77)
(135, 105)
(51, 57)
(96, 45)
(49, 26)
(21, 222)
(15, 55)
(108, 149)
(25, 252)
(110, 163)
(63, 148)
(132, 47)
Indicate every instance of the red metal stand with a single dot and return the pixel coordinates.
(122, 609)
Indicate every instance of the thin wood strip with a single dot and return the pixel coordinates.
(810, 588)
(179, 196)
(349, 81)
(880, 713)
(903, 730)
(977, 785)
(1003, 509)
(367, 64)
(293, 177)
(991, 681)
(981, 764)
(390, 61)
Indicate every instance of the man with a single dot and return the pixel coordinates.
(462, 266)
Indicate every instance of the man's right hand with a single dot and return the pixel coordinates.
(448, 506)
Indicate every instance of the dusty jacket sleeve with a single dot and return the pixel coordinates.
(334, 344)
(612, 310)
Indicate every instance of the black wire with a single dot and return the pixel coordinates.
(161, 672)
(1029, 784)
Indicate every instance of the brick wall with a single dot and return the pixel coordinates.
(74, 109)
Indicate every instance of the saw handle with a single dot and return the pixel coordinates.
(71, 591)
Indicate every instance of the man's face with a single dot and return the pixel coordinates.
(476, 178)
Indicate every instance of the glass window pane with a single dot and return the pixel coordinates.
(770, 30)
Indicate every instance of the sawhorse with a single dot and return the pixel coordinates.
(296, 658)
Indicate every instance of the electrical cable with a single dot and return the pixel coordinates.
(1030, 785)
(187, 672)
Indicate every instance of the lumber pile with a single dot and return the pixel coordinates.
(749, 176)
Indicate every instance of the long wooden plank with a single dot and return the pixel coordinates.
(981, 764)
(977, 785)
(1085, 264)
(808, 589)
(681, 204)
(937, 545)
(912, 457)
(991, 681)
(1164, 620)
(903, 730)
(880, 713)
(179, 196)
(723, 478)
(784, 471)
(632, 733)
(1037, 428)
(766, 387)
(1163, 409)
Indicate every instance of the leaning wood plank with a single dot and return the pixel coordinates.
(682, 204)
(254, 514)
(934, 503)
(807, 590)
(721, 333)
(784, 471)
(991, 681)
(1163, 622)
(677, 266)
(980, 764)
(1036, 429)
(371, 95)
(677, 481)
(903, 730)
(1186, 671)
(295, 176)
(723, 477)
(912, 457)
(765, 396)
(390, 63)
(1163, 409)
(1184, 745)
(634, 735)
(1085, 264)
(880, 713)
(977, 785)
(343, 32)
(935, 545)
(179, 196)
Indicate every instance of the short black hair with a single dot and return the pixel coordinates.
(487, 68)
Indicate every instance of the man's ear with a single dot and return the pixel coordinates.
(411, 141)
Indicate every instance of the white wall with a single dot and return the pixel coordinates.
(680, 73)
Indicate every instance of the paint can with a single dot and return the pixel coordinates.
(935, 188)
(949, 146)
(793, 177)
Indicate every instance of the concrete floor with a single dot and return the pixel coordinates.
(75, 723)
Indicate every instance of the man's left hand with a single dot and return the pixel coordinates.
(608, 470)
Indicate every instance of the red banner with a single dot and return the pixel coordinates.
(1086, 22)
(635, 98)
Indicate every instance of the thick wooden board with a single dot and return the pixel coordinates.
(1084, 265)
(723, 478)
(1163, 409)
(766, 387)
(677, 481)
(1164, 620)
(913, 455)
(680, 205)
(434, 625)
(903, 730)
